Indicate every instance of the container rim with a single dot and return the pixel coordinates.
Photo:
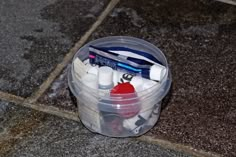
(123, 39)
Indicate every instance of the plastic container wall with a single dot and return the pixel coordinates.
(103, 114)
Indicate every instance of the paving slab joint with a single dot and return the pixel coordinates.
(56, 72)
(39, 107)
(11, 98)
(52, 110)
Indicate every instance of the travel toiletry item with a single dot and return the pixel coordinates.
(138, 82)
(150, 71)
(105, 80)
(125, 100)
(137, 123)
(88, 114)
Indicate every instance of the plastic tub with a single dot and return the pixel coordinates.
(105, 114)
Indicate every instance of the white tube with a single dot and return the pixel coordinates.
(138, 82)
(155, 72)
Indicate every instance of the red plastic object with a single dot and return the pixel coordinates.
(128, 104)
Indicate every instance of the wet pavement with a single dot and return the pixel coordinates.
(197, 37)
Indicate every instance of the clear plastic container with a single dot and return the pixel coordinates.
(105, 114)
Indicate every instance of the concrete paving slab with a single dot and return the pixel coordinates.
(35, 36)
(15, 124)
(30, 133)
(198, 39)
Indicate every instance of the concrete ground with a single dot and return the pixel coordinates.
(31, 133)
(38, 115)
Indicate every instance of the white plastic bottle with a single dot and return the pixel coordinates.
(105, 80)
(138, 82)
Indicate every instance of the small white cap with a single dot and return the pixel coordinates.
(157, 72)
(105, 76)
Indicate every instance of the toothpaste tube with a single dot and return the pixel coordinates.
(105, 58)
